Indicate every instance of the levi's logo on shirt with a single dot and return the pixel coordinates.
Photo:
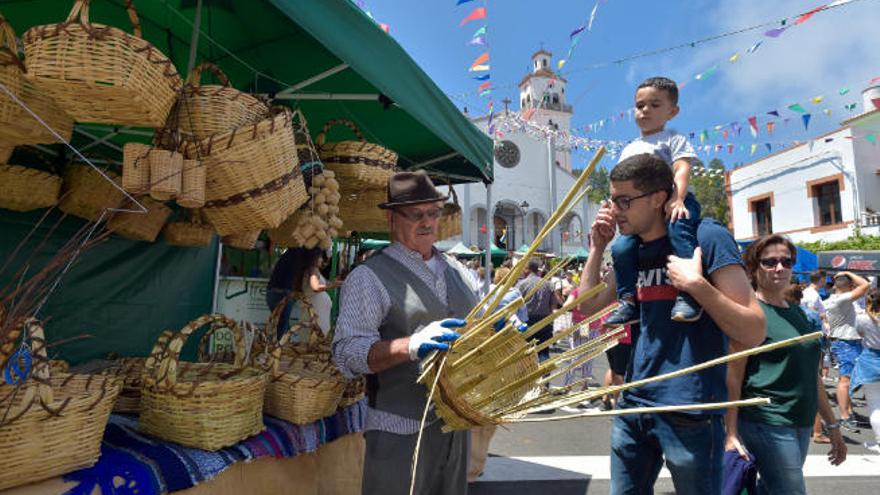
(654, 285)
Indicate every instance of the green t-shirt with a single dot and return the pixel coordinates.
(787, 376)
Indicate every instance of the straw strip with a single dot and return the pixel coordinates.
(757, 401)
(536, 327)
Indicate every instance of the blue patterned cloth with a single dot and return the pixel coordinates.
(866, 370)
(152, 466)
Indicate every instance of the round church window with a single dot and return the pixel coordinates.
(507, 154)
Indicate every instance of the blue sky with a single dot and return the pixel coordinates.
(834, 49)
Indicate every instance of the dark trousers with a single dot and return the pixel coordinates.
(541, 336)
(625, 250)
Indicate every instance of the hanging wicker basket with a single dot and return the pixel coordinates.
(205, 110)
(358, 163)
(139, 226)
(245, 240)
(203, 405)
(136, 167)
(101, 74)
(360, 211)
(192, 184)
(450, 221)
(166, 174)
(55, 422)
(130, 370)
(25, 189)
(86, 193)
(189, 233)
(253, 178)
(17, 125)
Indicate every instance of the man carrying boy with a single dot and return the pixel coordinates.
(657, 104)
(691, 443)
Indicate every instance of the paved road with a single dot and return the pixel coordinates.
(571, 457)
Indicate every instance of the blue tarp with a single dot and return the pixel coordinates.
(806, 262)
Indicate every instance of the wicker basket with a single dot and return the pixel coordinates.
(305, 385)
(140, 226)
(450, 222)
(62, 416)
(87, 193)
(17, 126)
(25, 189)
(245, 240)
(192, 184)
(211, 109)
(101, 74)
(203, 405)
(253, 179)
(136, 167)
(365, 164)
(130, 370)
(353, 392)
(191, 233)
(166, 171)
(359, 210)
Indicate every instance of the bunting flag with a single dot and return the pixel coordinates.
(477, 14)
(481, 60)
(843, 91)
(753, 125)
(734, 58)
(484, 77)
(775, 32)
(486, 92)
(528, 114)
(479, 40)
(773, 113)
(577, 31)
(560, 64)
(463, 1)
(850, 107)
(754, 148)
(806, 119)
(704, 136)
(754, 48)
(593, 16)
(724, 134)
(770, 125)
(817, 99)
(485, 85)
(479, 32)
(707, 73)
(797, 108)
(479, 68)
(729, 149)
(827, 112)
(805, 17)
(385, 27)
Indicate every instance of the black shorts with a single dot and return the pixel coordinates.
(618, 358)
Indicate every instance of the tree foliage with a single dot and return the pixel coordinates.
(855, 242)
(709, 190)
(600, 188)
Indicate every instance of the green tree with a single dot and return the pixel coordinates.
(708, 186)
(599, 185)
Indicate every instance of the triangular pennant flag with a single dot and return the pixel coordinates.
(753, 125)
(806, 119)
(478, 13)
(827, 112)
(754, 48)
(797, 108)
(754, 147)
(479, 40)
(484, 77)
(593, 15)
(577, 31)
(873, 81)
(850, 107)
(872, 138)
(725, 134)
(485, 85)
(805, 17)
(487, 92)
(817, 99)
(775, 32)
(773, 113)
(704, 136)
(560, 64)
(729, 149)
(734, 58)
(707, 73)
(480, 32)
(843, 91)
(462, 1)
(770, 125)
(482, 59)
(479, 68)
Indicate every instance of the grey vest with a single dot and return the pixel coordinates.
(413, 306)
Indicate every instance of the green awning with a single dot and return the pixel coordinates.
(581, 254)
(327, 57)
(523, 249)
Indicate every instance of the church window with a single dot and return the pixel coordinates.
(545, 63)
(555, 99)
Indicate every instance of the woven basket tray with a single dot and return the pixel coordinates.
(367, 164)
(25, 189)
(203, 405)
(17, 126)
(86, 193)
(140, 226)
(205, 110)
(130, 370)
(253, 179)
(55, 422)
(101, 74)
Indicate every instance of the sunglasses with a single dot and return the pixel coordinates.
(771, 263)
(419, 215)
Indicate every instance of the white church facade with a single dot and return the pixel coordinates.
(531, 175)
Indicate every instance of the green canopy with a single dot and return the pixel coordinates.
(497, 251)
(523, 249)
(327, 57)
(581, 254)
(460, 250)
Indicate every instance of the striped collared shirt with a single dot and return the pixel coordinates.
(363, 308)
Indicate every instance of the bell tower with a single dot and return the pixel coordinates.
(543, 91)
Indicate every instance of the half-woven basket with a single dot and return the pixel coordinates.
(25, 189)
(139, 226)
(203, 405)
(101, 74)
(253, 178)
(86, 193)
(205, 110)
(365, 164)
(55, 422)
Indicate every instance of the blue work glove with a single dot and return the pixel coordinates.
(433, 337)
(517, 324)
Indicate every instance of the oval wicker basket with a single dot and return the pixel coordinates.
(205, 110)
(61, 415)
(166, 174)
(79, 63)
(253, 178)
(203, 405)
(359, 162)
(192, 184)
(87, 194)
(359, 210)
(189, 233)
(25, 189)
(17, 126)
(130, 370)
(140, 226)
(136, 167)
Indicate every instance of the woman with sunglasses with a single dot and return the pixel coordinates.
(778, 434)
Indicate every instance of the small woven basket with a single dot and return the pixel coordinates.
(359, 210)
(205, 110)
(450, 221)
(192, 184)
(191, 233)
(62, 416)
(140, 226)
(101, 74)
(87, 194)
(17, 126)
(253, 178)
(130, 370)
(203, 405)
(136, 167)
(25, 189)
(366, 164)
(166, 171)
(244, 240)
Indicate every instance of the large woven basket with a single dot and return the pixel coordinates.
(253, 177)
(17, 125)
(367, 164)
(130, 370)
(305, 385)
(203, 405)
(359, 210)
(205, 110)
(55, 422)
(87, 193)
(140, 226)
(101, 74)
(189, 233)
(450, 221)
(25, 189)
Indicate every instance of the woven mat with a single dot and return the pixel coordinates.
(132, 462)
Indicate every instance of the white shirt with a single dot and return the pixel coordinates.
(869, 330)
(668, 145)
(841, 313)
(322, 303)
(812, 300)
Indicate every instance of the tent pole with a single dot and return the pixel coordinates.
(217, 266)
(490, 233)
(312, 80)
(194, 41)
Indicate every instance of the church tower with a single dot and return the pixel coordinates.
(544, 91)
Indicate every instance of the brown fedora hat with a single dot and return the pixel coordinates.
(411, 188)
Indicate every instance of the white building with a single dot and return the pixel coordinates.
(527, 188)
(819, 190)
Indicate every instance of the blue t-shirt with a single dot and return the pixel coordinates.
(661, 345)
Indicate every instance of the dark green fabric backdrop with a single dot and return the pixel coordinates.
(122, 292)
